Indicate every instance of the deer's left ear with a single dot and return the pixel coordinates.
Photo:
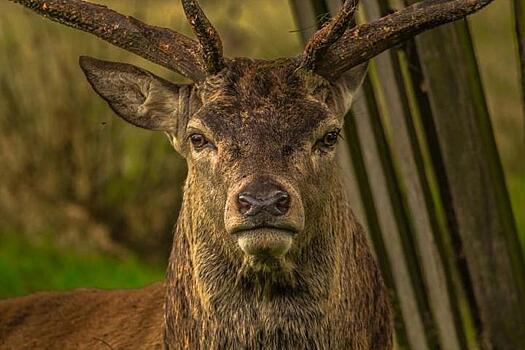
(136, 95)
(346, 86)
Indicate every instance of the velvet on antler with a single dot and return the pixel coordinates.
(328, 35)
(333, 50)
(211, 45)
(336, 47)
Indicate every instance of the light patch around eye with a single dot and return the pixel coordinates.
(325, 137)
(199, 139)
(196, 126)
(331, 124)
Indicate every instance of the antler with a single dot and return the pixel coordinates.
(159, 45)
(328, 35)
(333, 50)
(359, 44)
(208, 37)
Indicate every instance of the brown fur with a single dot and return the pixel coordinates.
(265, 120)
(84, 319)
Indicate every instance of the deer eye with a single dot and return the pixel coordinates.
(328, 141)
(199, 141)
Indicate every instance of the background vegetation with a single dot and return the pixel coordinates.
(87, 200)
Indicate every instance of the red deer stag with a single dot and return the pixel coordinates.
(266, 251)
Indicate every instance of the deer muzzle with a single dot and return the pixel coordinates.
(265, 215)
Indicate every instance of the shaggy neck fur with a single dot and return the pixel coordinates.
(331, 298)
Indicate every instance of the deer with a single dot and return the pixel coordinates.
(267, 253)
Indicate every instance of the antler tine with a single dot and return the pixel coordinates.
(159, 45)
(208, 37)
(328, 35)
(361, 43)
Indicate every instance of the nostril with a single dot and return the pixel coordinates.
(281, 202)
(263, 202)
(245, 203)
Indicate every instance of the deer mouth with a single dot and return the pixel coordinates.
(265, 241)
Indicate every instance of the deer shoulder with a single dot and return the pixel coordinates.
(84, 319)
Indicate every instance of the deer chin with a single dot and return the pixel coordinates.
(265, 243)
(266, 266)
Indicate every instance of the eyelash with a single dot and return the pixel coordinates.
(323, 147)
(205, 142)
(339, 133)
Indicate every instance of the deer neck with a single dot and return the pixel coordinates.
(210, 304)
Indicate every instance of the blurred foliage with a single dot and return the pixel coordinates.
(517, 188)
(497, 54)
(74, 176)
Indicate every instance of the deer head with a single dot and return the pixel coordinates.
(259, 138)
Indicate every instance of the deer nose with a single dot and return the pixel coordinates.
(273, 201)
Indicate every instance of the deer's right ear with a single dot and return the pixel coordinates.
(138, 96)
(346, 85)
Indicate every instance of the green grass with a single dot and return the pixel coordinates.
(27, 267)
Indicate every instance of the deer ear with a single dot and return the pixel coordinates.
(138, 96)
(345, 87)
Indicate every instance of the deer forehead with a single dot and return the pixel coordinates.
(282, 121)
(264, 102)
